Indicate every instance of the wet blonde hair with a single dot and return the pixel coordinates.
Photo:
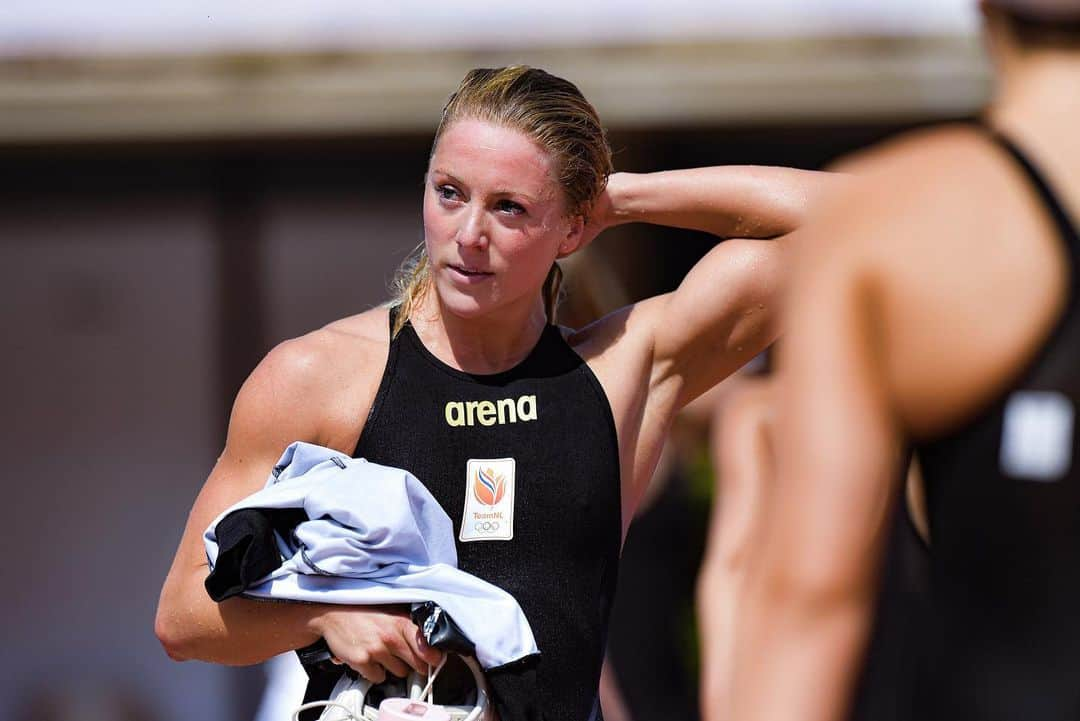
(554, 114)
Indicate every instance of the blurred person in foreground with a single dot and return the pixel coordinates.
(743, 452)
(466, 366)
(936, 308)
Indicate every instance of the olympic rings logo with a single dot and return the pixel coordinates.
(486, 526)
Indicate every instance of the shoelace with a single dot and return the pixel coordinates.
(350, 714)
(357, 713)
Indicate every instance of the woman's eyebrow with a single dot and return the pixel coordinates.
(516, 194)
(501, 192)
(440, 171)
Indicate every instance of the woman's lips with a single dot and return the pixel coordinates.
(465, 274)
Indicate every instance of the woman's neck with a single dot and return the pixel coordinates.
(489, 344)
(1037, 105)
(1037, 94)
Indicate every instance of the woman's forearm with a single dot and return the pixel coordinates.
(237, 632)
(728, 201)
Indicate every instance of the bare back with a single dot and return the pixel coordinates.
(917, 300)
(971, 290)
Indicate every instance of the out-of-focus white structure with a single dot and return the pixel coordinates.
(176, 69)
(176, 26)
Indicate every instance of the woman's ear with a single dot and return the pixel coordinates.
(574, 235)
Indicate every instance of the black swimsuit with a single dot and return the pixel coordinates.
(526, 464)
(1003, 493)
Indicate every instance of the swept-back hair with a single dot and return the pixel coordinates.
(556, 116)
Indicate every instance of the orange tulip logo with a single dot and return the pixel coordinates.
(489, 487)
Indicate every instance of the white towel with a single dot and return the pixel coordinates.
(375, 535)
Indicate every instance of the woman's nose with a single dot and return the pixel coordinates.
(473, 230)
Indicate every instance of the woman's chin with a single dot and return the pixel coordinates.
(463, 305)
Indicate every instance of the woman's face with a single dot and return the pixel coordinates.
(494, 218)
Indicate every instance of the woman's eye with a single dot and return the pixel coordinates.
(447, 192)
(509, 206)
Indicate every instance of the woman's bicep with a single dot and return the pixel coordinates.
(721, 315)
(837, 435)
(269, 413)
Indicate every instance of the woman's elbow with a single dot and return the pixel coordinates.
(809, 587)
(178, 622)
(171, 634)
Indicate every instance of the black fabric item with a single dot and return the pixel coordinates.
(562, 561)
(316, 654)
(320, 683)
(322, 675)
(440, 631)
(247, 551)
(515, 687)
(1005, 639)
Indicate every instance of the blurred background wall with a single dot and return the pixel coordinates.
(184, 184)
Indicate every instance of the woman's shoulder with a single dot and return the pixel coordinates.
(360, 333)
(333, 372)
(351, 343)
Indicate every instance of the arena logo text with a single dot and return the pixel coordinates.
(490, 413)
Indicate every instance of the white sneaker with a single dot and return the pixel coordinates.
(348, 700)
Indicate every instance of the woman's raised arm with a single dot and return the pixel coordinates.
(729, 201)
(725, 310)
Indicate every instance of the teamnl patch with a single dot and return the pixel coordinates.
(489, 500)
(1037, 436)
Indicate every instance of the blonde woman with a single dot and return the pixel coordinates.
(537, 440)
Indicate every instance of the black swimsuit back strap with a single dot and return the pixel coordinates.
(1062, 221)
